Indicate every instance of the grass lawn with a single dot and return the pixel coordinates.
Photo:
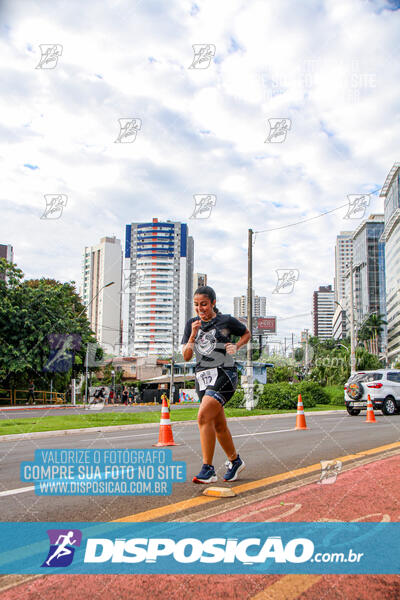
(29, 425)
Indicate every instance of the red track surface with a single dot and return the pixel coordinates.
(366, 493)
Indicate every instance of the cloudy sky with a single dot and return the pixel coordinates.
(329, 71)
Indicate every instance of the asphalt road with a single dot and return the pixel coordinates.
(268, 445)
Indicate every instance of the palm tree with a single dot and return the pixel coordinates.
(370, 332)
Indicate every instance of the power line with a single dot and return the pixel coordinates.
(303, 221)
(312, 218)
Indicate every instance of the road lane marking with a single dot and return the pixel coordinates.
(115, 437)
(288, 587)
(264, 432)
(162, 511)
(17, 491)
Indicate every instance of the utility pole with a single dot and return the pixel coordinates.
(249, 369)
(87, 346)
(171, 380)
(86, 373)
(352, 336)
(306, 357)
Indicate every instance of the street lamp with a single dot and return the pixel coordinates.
(87, 347)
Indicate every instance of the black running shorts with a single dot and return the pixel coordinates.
(218, 382)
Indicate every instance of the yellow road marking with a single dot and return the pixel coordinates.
(288, 587)
(162, 511)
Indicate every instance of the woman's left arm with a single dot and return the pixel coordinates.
(233, 348)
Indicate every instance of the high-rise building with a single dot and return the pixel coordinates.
(391, 237)
(240, 306)
(369, 264)
(323, 311)
(343, 256)
(340, 328)
(157, 296)
(7, 252)
(102, 264)
(199, 279)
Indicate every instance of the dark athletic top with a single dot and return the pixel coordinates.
(209, 345)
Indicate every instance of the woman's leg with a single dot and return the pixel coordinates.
(224, 435)
(209, 411)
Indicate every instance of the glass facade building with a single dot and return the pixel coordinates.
(391, 237)
(369, 262)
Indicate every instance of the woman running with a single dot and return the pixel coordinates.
(215, 378)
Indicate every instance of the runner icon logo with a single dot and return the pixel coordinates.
(61, 551)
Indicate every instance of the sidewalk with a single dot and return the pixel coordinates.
(364, 493)
(36, 407)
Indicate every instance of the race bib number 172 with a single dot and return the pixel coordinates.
(206, 378)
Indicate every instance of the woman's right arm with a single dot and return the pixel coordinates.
(187, 350)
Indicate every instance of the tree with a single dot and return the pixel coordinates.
(41, 322)
(367, 361)
(371, 331)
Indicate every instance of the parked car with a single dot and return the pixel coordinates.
(383, 387)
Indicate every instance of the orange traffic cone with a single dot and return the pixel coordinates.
(370, 412)
(300, 418)
(165, 437)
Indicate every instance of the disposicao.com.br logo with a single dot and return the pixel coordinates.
(213, 550)
(187, 553)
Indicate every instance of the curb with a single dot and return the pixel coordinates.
(62, 432)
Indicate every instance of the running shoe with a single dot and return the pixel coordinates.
(206, 475)
(234, 467)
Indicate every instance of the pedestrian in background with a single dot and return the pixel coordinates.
(111, 397)
(31, 393)
(125, 396)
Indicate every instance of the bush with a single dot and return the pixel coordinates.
(284, 396)
(237, 400)
(312, 391)
(278, 396)
(336, 394)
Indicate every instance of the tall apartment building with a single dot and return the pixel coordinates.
(323, 311)
(157, 297)
(102, 264)
(199, 279)
(7, 252)
(369, 263)
(391, 237)
(240, 306)
(343, 256)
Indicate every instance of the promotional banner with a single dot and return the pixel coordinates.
(197, 548)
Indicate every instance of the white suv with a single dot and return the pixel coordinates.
(383, 387)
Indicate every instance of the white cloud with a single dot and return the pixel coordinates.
(329, 67)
